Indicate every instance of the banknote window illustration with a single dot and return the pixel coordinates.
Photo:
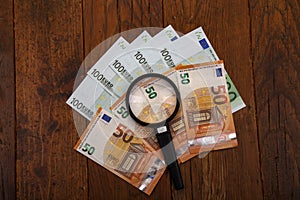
(129, 161)
(111, 160)
(202, 116)
(127, 166)
(153, 142)
(177, 125)
(195, 118)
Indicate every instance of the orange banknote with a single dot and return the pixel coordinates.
(206, 107)
(110, 143)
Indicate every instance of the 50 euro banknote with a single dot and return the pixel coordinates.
(110, 143)
(206, 107)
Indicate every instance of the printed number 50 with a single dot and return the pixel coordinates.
(220, 98)
(123, 112)
(185, 78)
(151, 92)
(87, 148)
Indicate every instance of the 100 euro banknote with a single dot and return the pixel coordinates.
(110, 143)
(90, 94)
(194, 48)
(206, 107)
(125, 66)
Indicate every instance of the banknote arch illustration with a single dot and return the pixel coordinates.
(116, 86)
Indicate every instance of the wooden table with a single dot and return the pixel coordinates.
(43, 44)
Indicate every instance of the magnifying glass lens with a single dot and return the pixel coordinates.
(153, 101)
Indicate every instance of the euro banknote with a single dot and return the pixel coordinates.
(124, 67)
(111, 144)
(101, 89)
(193, 48)
(90, 95)
(113, 74)
(206, 107)
(147, 56)
(120, 110)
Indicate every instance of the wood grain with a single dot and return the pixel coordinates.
(275, 43)
(48, 41)
(7, 101)
(128, 16)
(175, 13)
(227, 25)
(44, 43)
(101, 22)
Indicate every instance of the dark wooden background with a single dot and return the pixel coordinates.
(43, 44)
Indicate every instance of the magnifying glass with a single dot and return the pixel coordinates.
(153, 100)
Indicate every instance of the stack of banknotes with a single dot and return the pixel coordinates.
(203, 123)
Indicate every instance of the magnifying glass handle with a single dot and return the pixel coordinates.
(167, 146)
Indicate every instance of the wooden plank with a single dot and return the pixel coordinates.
(276, 57)
(7, 100)
(147, 13)
(48, 41)
(100, 22)
(233, 173)
(103, 19)
(139, 14)
(177, 13)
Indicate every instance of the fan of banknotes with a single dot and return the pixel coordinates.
(203, 123)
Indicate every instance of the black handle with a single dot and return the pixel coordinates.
(167, 146)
